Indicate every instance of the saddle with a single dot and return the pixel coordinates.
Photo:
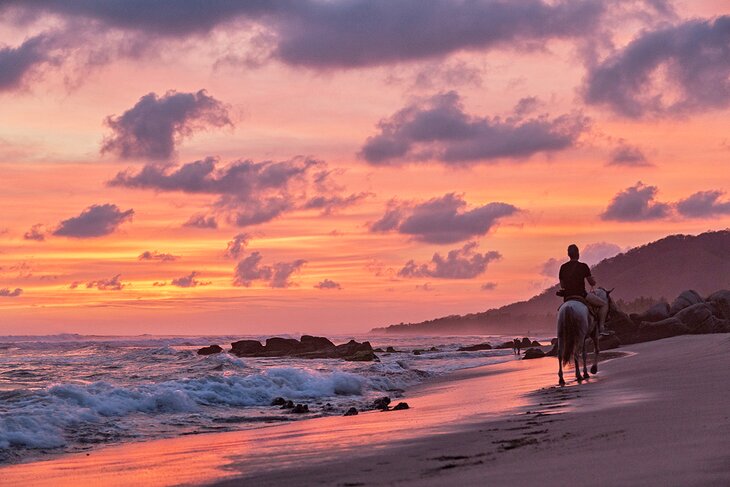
(580, 299)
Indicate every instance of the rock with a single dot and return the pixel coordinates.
(315, 343)
(535, 343)
(553, 351)
(213, 349)
(379, 350)
(288, 405)
(278, 401)
(531, 353)
(400, 406)
(246, 347)
(506, 345)
(699, 318)
(433, 349)
(351, 412)
(658, 312)
(416, 352)
(721, 303)
(526, 342)
(300, 409)
(381, 403)
(685, 300)
(282, 346)
(390, 350)
(362, 356)
(622, 326)
(657, 330)
(475, 348)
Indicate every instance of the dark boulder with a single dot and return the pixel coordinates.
(622, 326)
(417, 352)
(351, 412)
(282, 346)
(213, 349)
(287, 405)
(433, 349)
(506, 345)
(699, 318)
(658, 312)
(391, 350)
(657, 330)
(242, 348)
(381, 403)
(278, 401)
(312, 343)
(526, 342)
(721, 303)
(685, 300)
(535, 343)
(475, 348)
(400, 406)
(300, 409)
(604, 343)
(554, 350)
(531, 353)
(362, 356)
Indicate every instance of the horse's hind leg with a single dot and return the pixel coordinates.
(594, 369)
(585, 362)
(561, 381)
(576, 357)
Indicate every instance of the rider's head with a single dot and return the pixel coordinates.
(573, 251)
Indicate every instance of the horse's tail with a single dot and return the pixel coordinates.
(569, 334)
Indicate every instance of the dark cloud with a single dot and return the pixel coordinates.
(111, 284)
(235, 247)
(17, 62)
(189, 281)
(628, 155)
(276, 275)
(439, 129)
(152, 127)
(375, 32)
(158, 256)
(442, 220)
(636, 203)
(526, 106)
(463, 263)
(201, 221)
(488, 286)
(248, 192)
(10, 293)
(672, 70)
(328, 284)
(703, 204)
(36, 233)
(94, 221)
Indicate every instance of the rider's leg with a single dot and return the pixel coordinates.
(601, 308)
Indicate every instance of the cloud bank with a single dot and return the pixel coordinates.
(94, 221)
(636, 203)
(463, 263)
(276, 275)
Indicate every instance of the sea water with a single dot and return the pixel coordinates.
(68, 393)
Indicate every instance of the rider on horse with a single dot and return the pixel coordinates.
(573, 275)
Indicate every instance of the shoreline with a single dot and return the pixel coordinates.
(656, 417)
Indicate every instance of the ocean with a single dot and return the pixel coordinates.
(71, 393)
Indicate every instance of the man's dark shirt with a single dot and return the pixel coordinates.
(573, 275)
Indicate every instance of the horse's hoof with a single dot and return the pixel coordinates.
(594, 370)
(561, 382)
(579, 379)
(586, 376)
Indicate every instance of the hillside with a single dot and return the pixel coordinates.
(660, 269)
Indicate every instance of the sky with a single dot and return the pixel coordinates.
(284, 166)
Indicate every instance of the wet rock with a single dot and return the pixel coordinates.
(288, 405)
(685, 300)
(525, 342)
(362, 356)
(417, 352)
(400, 406)
(622, 326)
(351, 412)
(283, 346)
(211, 350)
(553, 352)
(300, 409)
(381, 403)
(531, 353)
(475, 348)
(604, 343)
(658, 312)
(649, 331)
(278, 401)
(699, 318)
(390, 350)
(433, 349)
(246, 347)
(535, 343)
(721, 303)
(379, 350)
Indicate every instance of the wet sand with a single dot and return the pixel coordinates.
(656, 417)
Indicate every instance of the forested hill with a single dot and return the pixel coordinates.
(660, 269)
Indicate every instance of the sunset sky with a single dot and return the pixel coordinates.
(198, 167)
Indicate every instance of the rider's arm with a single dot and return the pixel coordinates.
(591, 281)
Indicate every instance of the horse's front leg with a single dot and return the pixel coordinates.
(594, 369)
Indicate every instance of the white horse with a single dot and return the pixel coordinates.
(575, 326)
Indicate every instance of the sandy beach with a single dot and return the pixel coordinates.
(655, 416)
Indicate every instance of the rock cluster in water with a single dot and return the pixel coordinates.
(308, 347)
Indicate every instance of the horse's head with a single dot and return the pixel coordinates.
(611, 305)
